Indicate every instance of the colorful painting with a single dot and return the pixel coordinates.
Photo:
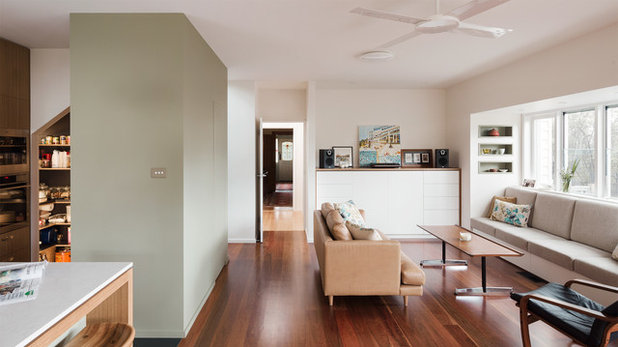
(379, 144)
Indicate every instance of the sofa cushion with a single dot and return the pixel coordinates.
(554, 214)
(360, 233)
(562, 252)
(595, 224)
(485, 225)
(350, 212)
(336, 226)
(517, 215)
(511, 199)
(326, 208)
(615, 253)
(410, 272)
(519, 237)
(525, 196)
(602, 269)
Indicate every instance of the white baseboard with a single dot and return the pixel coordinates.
(199, 309)
(240, 240)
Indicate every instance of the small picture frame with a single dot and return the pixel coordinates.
(528, 182)
(412, 158)
(344, 156)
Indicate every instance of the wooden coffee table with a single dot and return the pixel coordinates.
(478, 246)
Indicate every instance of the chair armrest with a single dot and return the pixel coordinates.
(362, 267)
(523, 304)
(591, 284)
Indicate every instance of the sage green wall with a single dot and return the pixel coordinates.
(136, 105)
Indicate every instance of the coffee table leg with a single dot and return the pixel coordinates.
(484, 290)
(443, 261)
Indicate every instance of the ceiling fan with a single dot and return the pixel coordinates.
(441, 22)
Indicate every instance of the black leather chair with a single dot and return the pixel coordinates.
(583, 320)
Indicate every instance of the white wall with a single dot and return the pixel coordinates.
(584, 63)
(241, 161)
(281, 105)
(49, 84)
(419, 112)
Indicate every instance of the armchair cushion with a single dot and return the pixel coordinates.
(336, 226)
(576, 324)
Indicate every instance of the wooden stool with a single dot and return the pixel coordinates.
(104, 334)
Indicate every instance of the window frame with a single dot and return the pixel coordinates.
(602, 148)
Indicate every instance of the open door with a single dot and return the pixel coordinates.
(259, 184)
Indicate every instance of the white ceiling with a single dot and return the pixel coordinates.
(300, 40)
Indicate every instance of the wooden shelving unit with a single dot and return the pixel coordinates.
(52, 177)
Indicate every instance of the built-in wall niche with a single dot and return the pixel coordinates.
(488, 150)
(489, 131)
(495, 167)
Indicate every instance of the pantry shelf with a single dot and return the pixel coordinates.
(53, 225)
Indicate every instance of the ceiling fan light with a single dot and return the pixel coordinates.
(438, 24)
(492, 34)
(380, 55)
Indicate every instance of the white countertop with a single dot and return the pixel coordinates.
(65, 287)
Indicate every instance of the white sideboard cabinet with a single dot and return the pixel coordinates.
(395, 200)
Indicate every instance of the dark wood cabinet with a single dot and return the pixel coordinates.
(14, 86)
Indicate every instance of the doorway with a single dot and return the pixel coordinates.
(283, 176)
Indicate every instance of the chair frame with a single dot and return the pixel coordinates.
(527, 317)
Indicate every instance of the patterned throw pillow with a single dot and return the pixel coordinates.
(516, 215)
(360, 233)
(350, 212)
(511, 199)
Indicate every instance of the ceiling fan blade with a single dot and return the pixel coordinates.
(481, 31)
(474, 7)
(400, 39)
(385, 15)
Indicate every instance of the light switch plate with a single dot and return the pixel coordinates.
(158, 172)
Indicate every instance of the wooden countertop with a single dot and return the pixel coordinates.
(392, 169)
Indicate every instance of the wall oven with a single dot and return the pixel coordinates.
(13, 151)
(14, 193)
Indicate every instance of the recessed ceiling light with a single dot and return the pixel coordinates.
(381, 55)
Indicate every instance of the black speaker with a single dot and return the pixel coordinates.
(327, 159)
(442, 157)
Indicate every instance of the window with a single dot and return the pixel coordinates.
(579, 145)
(287, 150)
(589, 136)
(612, 151)
(543, 149)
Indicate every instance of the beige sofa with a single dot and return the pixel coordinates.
(362, 267)
(566, 237)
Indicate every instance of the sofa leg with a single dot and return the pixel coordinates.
(330, 300)
(405, 300)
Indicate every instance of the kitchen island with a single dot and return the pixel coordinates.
(101, 292)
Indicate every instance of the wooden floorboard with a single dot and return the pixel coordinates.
(270, 294)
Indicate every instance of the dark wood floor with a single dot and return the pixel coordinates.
(271, 295)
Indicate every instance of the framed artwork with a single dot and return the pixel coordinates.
(344, 156)
(379, 144)
(416, 158)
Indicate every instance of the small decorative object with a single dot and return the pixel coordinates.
(465, 236)
(416, 158)
(567, 176)
(528, 182)
(501, 151)
(343, 156)
(379, 144)
(503, 170)
(486, 151)
(493, 132)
